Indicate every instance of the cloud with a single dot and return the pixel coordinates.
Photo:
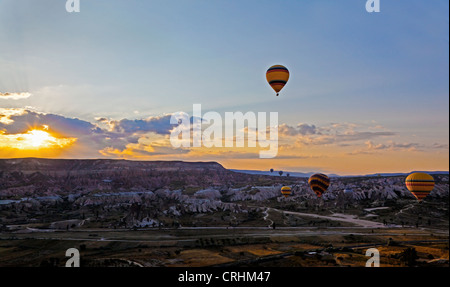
(301, 129)
(22, 120)
(371, 147)
(14, 96)
(102, 120)
(336, 128)
(334, 133)
(14, 122)
(358, 136)
(6, 114)
(377, 127)
(285, 130)
(439, 146)
(116, 138)
(160, 125)
(149, 138)
(305, 129)
(342, 139)
(143, 148)
(393, 146)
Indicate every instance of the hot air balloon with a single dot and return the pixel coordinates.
(419, 184)
(286, 191)
(277, 77)
(319, 183)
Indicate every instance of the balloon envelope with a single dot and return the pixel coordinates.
(286, 191)
(277, 76)
(419, 184)
(319, 183)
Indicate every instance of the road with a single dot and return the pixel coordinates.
(348, 218)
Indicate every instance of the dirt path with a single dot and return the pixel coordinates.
(339, 217)
(266, 217)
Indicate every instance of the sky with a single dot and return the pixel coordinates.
(368, 92)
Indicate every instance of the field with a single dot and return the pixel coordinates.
(238, 247)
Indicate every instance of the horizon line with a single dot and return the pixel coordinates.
(332, 174)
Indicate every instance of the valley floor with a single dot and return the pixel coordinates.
(229, 246)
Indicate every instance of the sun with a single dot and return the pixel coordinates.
(40, 139)
(34, 139)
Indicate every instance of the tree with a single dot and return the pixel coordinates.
(409, 256)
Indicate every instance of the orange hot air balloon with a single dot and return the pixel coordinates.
(319, 183)
(277, 76)
(419, 184)
(286, 191)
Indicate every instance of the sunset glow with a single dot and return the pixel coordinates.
(34, 140)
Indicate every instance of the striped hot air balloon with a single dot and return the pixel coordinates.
(319, 183)
(286, 191)
(419, 184)
(277, 76)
